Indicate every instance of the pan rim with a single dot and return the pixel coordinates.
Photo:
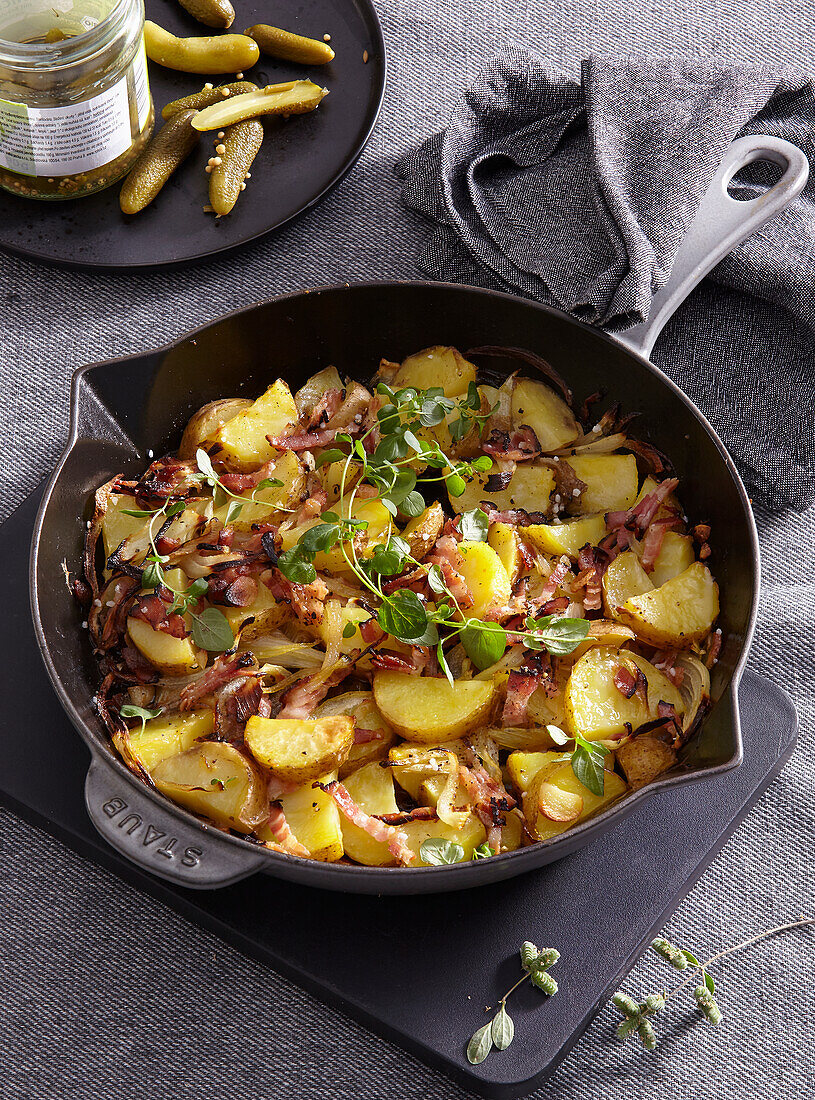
(524, 858)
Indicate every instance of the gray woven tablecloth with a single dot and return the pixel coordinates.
(106, 994)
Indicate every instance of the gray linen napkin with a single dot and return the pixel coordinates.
(579, 193)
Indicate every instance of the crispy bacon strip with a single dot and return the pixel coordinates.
(625, 682)
(419, 813)
(642, 515)
(241, 483)
(363, 736)
(324, 410)
(307, 600)
(447, 557)
(303, 441)
(518, 446)
(592, 563)
(281, 831)
(521, 686)
(387, 834)
(225, 668)
(153, 610)
(168, 477)
(301, 698)
(553, 582)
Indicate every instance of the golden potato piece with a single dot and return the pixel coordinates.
(436, 366)
(503, 538)
(485, 577)
(168, 735)
(205, 424)
(548, 415)
(625, 577)
(264, 611)
(313, 817)
(611, 482)
(371, 787)
(217, 781)
(523, 767)
(261, 505)
(242, 440)
(297, 750)
(530, 488)
(597, 709)
(675, 555)
(360, 706)
(414, 764)
(421, 532)
(429, 709)
(569, 537)
(172, 656)
(470, 836)
(678, 613)
(562, 779)
(643, 758)
(116, 526)
(557, 804)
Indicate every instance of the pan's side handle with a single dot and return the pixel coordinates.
(158, 840)
(720, 224)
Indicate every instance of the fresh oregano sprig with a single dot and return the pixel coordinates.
(500, 1030)
(638, 1015)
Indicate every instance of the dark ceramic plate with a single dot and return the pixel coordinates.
(300, 161)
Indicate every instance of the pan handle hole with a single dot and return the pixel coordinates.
(754, 179)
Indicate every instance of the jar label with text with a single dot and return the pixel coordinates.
(79, 137)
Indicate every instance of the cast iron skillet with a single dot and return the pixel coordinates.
(124, 408)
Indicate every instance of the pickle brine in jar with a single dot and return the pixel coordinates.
(75, 104)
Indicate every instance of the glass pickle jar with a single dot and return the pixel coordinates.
(75, 104)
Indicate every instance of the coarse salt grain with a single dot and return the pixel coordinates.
(575, 492)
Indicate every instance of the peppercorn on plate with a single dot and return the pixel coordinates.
(421, 621)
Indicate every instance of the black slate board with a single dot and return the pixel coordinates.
(299, 162)
(419, 990)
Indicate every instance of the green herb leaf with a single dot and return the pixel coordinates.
(295, 567)
(436, 580)
(211, 631)
(480, 1045)
(349, 630)
(456, 485)
(139, 513)
(709, 982)
(413, 505)
(175, 509)
(690, 957)
(437, 851)
(560, 635)
(233, 511)
(529, 954)
(333, 454)
(482, 463)
(443, 665)
(318, 539)
(403, 615)
(484, 643)
(503, 1029)
(483, 851)
(403, 485)
(474, 526)
(204, 464)
(272, 482)
(587, 764)
(130, 710)
(152, 575)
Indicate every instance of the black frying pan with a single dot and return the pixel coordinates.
(124, 408)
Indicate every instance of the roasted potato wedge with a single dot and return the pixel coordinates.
(643, 758)
(503, 538)
(470, 836)
(675, 556)
(172, 656)
(562, 800)
(530, 488)
(313, 817)
(436, 366)
(611, 482)
(168, 735)
(625, 577)
(360, 706)
(298, 750)
(263, 504)
(429, 709)
(421, 532)
(116, 526)
(242, 440)
(371, 787)
(678, 613)
(485, 577)
(217, 781)
(569, 537)
(203, 427)
(597, 709)
(549, 417)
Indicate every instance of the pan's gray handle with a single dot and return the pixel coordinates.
(720, 224)
(157, 840)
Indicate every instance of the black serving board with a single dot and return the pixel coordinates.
(300, 161)
(420, 991)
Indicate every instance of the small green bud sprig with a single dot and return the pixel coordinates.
(500, 1030)
(389, 468)
(637, 1016)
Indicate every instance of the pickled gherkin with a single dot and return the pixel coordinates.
(220, 53)
(295, 97)
(169, 148)
(212, 13)
(290, 47)
(241, 143)
(207, 96)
